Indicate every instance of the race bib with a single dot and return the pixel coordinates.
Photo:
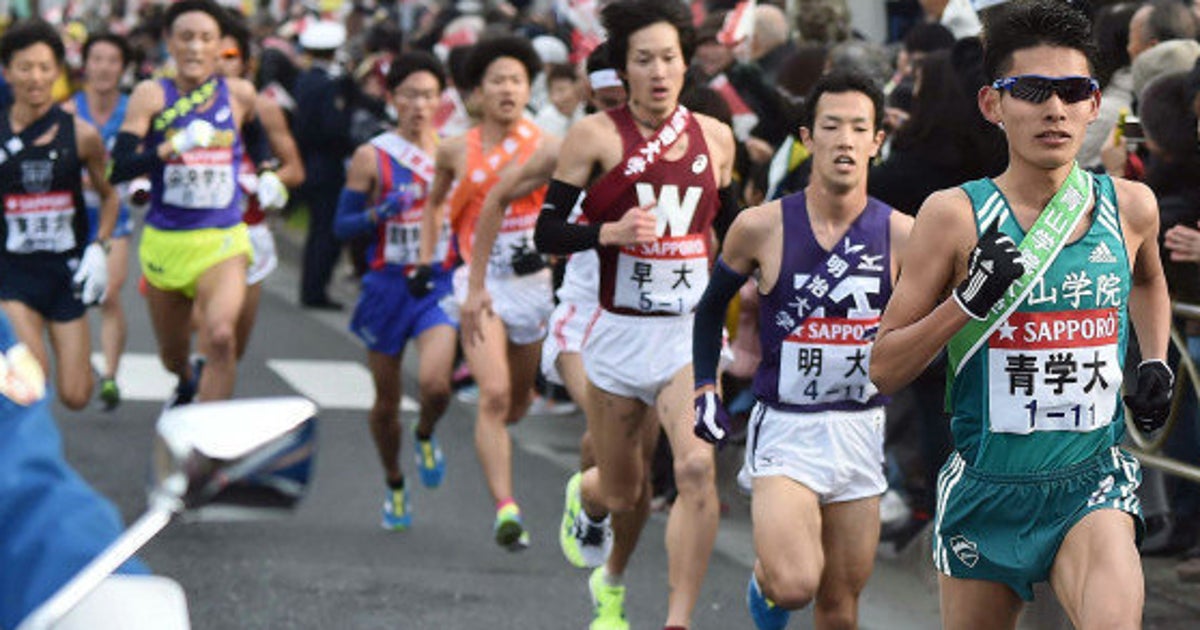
(825, 360)
(514, 240)
(39, 222)
(201, 179)
(402, 240)
(666, 276)
(1054, 371)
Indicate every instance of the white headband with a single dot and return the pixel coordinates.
(605, 78)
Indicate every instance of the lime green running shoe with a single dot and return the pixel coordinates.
(509, 531)
(609, 602)
(585, 544)
(110, 394)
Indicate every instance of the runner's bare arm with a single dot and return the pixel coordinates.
(900, 227)
(291, 166)
(584, 139)
(719, 138)
(243, 97)
(919, 320)
(361, 175)
(515, 182)
(94, 157)
(1149, 301)
(446, 162)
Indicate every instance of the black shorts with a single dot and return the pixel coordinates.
(43, 283)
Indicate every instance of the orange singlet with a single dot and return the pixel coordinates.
(482, 172)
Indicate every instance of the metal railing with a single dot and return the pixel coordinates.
(1148, 448)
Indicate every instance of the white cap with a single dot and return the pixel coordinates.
(323, 35)
(550, 49)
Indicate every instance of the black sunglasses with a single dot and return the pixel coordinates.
(1036, 88)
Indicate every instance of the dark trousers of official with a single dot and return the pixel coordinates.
(321, 247)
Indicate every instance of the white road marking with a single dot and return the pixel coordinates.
(330, 384)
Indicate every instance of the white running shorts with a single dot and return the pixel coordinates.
(523, 303)
(836, 454)
(636, 357)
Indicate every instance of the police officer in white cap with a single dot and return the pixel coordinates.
(324, 99)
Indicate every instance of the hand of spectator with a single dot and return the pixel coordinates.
(760, 150)
(1114, 155)
(894, 118)
(1184, 243)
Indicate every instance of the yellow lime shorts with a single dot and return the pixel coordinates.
(174, 260)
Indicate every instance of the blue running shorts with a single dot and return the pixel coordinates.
(387, 315)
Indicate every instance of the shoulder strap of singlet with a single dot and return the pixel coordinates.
(81, 106)
(623, 121)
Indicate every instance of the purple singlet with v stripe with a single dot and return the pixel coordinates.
(819, 320)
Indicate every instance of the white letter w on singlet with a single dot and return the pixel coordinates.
(669, 210)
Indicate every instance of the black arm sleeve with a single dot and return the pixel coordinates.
(129, 160)
(710, 316)
(554, 234)
(258, 146)
(726, 213)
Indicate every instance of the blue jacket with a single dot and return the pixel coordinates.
(51, 522)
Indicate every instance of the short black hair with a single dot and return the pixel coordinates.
(928, 37)
(235, 26)
(600, 58)
(561, 72)
(411, 63)
(489, 49)
(384, 36)
(218, 13)
(1165, 109)
(1021, 24)
(625, 17)
(1170, 19)
(109, 38)
(26, 33)
(456, 60)
(840, 83)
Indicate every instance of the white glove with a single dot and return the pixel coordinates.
(272, 194)
(138, 194)
(198, 134)
(91, 276)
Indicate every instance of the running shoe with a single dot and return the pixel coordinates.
(609, 603)
(509, 531)
(110, 394)
(431, 463)
(397, 511)
(467, 394)
(764, 612)
(585, 544)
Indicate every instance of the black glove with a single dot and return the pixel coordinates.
(420, 280)
(527, 262)
(994, 265)
(1151, 403)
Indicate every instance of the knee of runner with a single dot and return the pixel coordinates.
(494, 401)
(434, 390)
(222, 340)
(75, 396)
(790, 587)
(695, 471)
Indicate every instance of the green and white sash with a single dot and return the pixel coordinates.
(1038, 249)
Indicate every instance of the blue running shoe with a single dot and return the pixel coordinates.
(397, 512)
(431, 463)
(764, 612)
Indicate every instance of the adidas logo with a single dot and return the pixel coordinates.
(1102, 254)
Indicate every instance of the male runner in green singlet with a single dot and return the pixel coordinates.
(1037, 488)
